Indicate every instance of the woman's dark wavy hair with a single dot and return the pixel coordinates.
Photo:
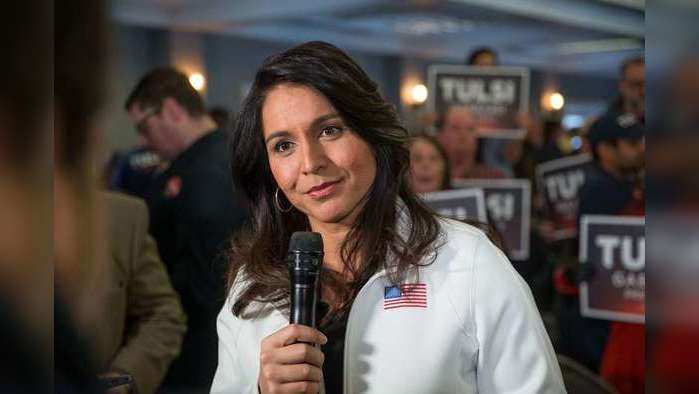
(259, 254)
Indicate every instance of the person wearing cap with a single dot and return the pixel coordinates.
(617, 145)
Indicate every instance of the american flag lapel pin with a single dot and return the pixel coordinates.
(405, 296)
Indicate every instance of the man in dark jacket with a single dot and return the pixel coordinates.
(193, 209)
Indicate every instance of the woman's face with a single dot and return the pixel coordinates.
(323, 167)
(426, 167)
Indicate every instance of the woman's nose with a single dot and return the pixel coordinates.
(314, 158)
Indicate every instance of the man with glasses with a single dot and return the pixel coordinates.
(193, 209)
(632, 89)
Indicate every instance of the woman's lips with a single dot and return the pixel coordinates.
(323, 190)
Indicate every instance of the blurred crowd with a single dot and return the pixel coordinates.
(179, 168)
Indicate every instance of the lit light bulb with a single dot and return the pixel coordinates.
(418, 93)
(556, 101)
(197, 81)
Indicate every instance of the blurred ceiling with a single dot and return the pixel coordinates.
(573, 36)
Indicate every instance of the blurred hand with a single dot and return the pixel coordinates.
(289, 366)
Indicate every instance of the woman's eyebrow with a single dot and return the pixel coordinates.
(317, 121)
(277, 134)
(323, 118)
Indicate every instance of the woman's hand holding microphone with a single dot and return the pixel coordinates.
(290, 362)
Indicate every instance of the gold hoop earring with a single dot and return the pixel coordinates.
(278, 205)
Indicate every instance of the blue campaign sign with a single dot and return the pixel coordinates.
(613, 248)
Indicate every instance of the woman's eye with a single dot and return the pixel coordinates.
(330, 131)
(282, 146)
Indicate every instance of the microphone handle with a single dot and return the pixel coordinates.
(304, 297)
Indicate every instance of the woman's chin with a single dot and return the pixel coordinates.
(330, 212)
(425, 188)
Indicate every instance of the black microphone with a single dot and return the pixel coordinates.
(304, 260)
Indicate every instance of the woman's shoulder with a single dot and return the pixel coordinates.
(459, 235)
(466, 246)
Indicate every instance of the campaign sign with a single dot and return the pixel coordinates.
(615, 249)
(559, 183)
(458, 204)
(508, 203)
(494, 95)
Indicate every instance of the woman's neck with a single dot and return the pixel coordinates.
(333, 236)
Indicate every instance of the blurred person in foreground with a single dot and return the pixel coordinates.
(672, 318)
(80, 66)
(617, 143)
(26, 269)
(142, 324)
(193, 208)
(316, 148)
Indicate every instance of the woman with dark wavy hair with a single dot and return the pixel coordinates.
(410, 302)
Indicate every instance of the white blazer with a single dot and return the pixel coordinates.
(480, 331)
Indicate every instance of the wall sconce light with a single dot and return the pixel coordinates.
(414, 94)
(418, 93)
(553, 101)
(197, 81)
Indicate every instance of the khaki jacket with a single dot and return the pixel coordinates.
(143, 324)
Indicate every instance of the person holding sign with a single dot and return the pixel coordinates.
(617, 146)
(317, 148)
(461, 143)
(497, 153)
(623, 358)
(429, 174)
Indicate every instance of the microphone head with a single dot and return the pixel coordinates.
(304, 260)
(306, 241)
